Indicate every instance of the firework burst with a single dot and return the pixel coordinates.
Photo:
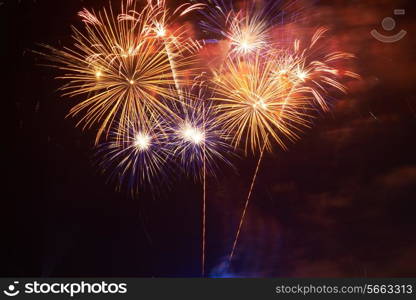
(312, 71)
(247, 29)
(255, 106)
(248, 33)
(264, 97)
(135, 156)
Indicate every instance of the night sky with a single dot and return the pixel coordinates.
(339, 203)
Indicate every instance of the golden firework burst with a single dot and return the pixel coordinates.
(121, 66)
(255, 106)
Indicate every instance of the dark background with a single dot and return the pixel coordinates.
(340, 202)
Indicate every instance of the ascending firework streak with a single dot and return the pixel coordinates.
(122, 68)
(199, 142)
(270, 97)
(255, 108)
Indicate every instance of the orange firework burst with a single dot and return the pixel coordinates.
(272, 96)
(255, 105)
(311, 70)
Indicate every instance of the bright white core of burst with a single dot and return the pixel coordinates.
(192, 134)
(160, 30)
(302, 75)
(142, 141)
(245, 45)
(260, 104)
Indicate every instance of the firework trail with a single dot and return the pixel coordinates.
(255, 108)
(199, 142)
(198, 127)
